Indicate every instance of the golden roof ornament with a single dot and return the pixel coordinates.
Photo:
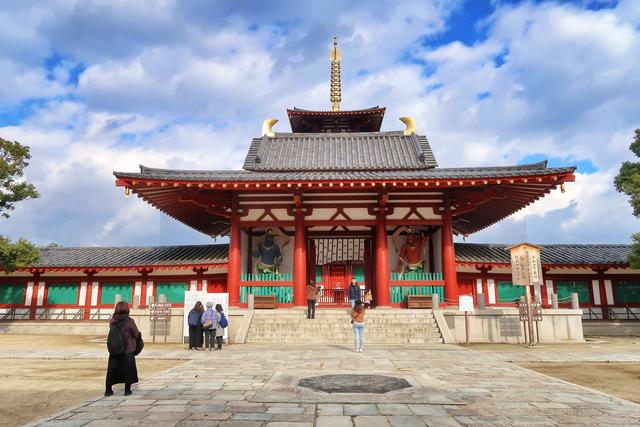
(410, 126)
(336, 92)
(267, 127)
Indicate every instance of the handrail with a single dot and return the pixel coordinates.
(11, 314)
(334, 296)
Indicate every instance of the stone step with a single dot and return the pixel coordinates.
(348, 342)
(345, 333)
(334, 327)
(345, 320)
(340, 313)
(266, 329)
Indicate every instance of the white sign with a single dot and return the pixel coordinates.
(190, 299)
(465, 303)
(526, 268)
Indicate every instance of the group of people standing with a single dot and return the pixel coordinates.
(357, 308)
(354, 293)
(209, 323)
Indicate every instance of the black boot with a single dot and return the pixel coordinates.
(108, 392)
(127, 390)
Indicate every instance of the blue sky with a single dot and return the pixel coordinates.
(96, 86)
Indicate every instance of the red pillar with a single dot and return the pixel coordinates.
(87, 300)
(144, 277)
(34, 295)
(382, 260)
(233, 272)
(300, 261)
(604, 304)
(448, 256)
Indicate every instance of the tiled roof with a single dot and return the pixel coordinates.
(296, 110)
(132, 256)
(363, 151)
(602, 254)
(551, 254)
(534, 169)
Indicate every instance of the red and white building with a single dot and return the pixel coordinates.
(338, 195)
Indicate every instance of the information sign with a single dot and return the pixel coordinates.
(190, 299)
(526, 268)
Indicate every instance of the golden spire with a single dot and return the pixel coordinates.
(335, 56)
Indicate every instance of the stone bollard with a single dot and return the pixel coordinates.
(575, 302)
(150, 300)
(251, 301)
(554, 301)
(136, 304)
(435, 302)
(162, 298)
(481, 302)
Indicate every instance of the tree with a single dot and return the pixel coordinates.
(628, 182)
(13, 159)
(14, 255)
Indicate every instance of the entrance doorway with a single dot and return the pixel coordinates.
(338, 259)
(335, 279)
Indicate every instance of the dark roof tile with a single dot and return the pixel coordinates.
(560, 254)
(132, 256)
(534, 169)
(362, 151)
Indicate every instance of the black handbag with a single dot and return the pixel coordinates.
(139, 344)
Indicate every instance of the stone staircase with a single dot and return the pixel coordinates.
(332, 326)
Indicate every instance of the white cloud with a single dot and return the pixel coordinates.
(188, 86)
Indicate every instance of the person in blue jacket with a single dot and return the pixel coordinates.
(209, 322)
(195, 326)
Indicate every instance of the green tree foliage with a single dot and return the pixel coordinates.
(634, 256)
(628, 182)
(13, 159)
(14, 255)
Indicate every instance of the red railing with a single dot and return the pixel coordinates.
(334, 297)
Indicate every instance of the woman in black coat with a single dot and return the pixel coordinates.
(122, 367)
(195, 326)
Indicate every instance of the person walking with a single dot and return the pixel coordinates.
(195, 326)
(312, 296)
(354, 292)
(209, 322)
(221, 323)
(122, 344)
(357, 320)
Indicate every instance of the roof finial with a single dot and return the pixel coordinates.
(335, 56)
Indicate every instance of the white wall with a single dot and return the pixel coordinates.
(492, 326)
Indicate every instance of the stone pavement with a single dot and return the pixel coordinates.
(257, 385)
(595, 349)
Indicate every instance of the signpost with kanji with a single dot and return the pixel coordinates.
(526, 270)
(160, 317)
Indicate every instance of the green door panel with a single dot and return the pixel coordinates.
(564, 289)
(507, 292)
(626, 292)
(173, 290)
(62, 294)
(109, 291)
(12, 294)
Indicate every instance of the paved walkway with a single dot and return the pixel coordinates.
(254, 385)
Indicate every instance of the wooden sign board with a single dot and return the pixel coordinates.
(160, 312)
(526, 267)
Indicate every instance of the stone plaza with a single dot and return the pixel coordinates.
(259, 385)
